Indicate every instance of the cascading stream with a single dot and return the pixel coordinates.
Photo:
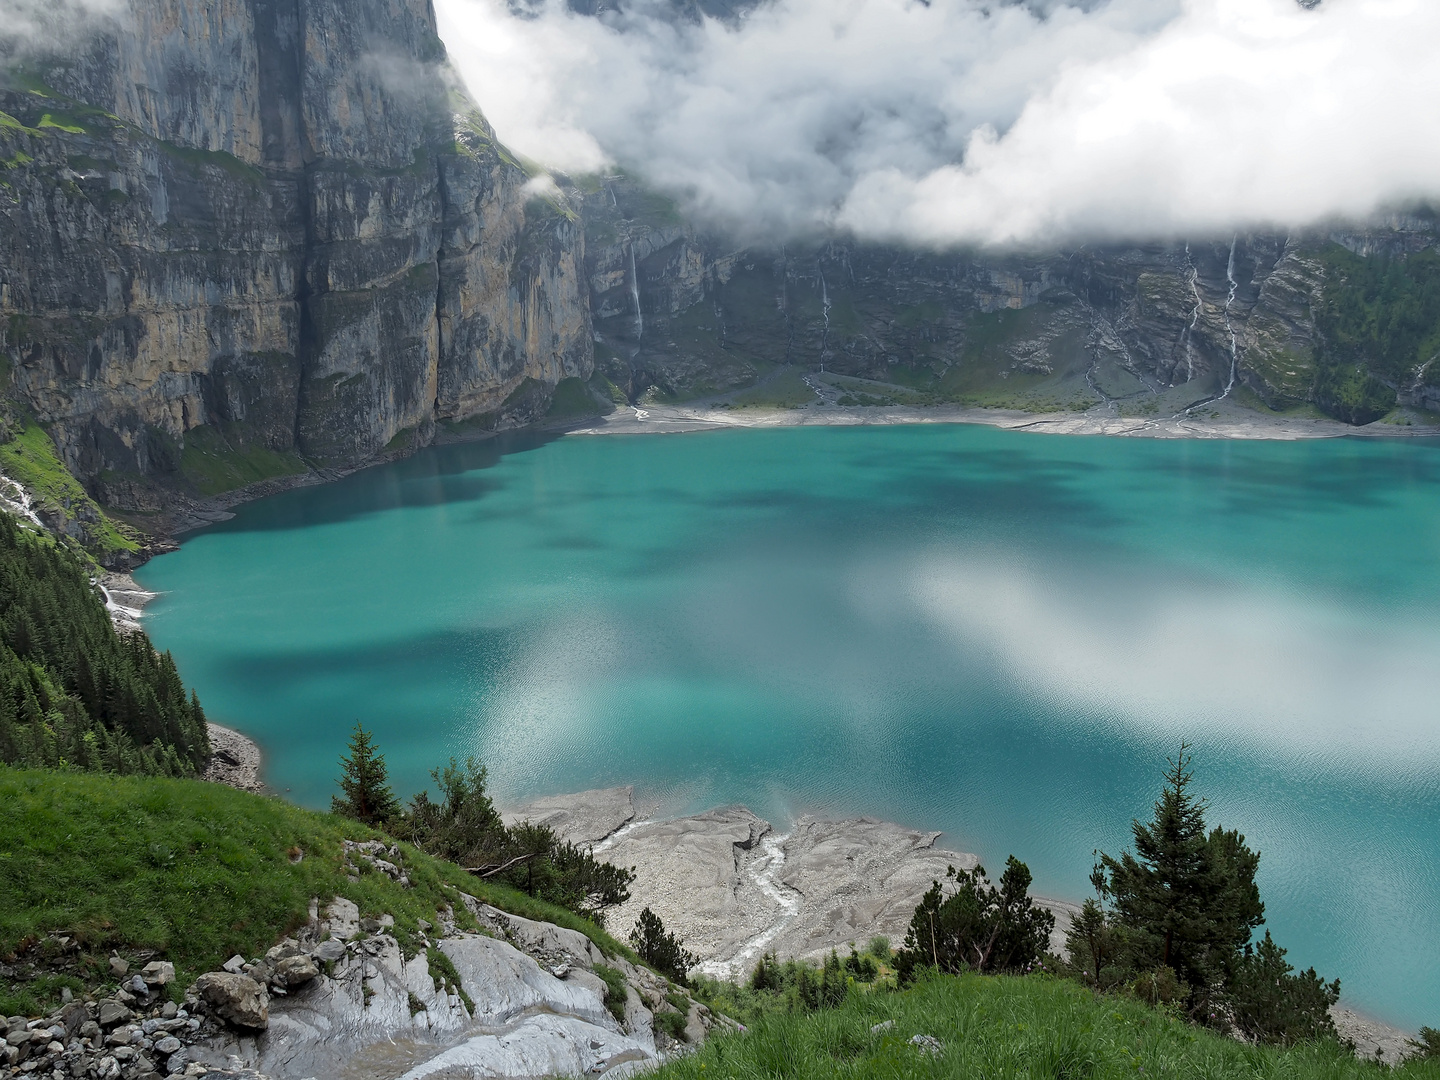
(1194, 317)
(16, 499)
(765, 874)
(1229, 302)
(635, 295)
(824, 333)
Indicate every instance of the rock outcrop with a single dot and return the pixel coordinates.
(246, 238)
(342, 998)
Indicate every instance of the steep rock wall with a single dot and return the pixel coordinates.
(244, 237)
(1151, 328)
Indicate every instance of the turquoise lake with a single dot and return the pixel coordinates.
(998, 634)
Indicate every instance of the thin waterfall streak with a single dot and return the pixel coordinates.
(1194, 317)
(825, 333)
(1229, 302)
(635, 295)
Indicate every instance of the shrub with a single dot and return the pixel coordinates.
(977, 926)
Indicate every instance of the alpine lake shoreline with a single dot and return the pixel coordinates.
(713, 913)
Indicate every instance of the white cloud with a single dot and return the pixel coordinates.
(959, 121)
(1298, 673)
(28, 26)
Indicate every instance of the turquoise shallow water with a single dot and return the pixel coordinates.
(998, 634)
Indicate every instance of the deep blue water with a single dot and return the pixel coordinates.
(998, 634)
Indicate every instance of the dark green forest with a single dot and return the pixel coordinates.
(1380, 328)
(75, 693)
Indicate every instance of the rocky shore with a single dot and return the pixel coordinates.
(1229, 422)
(234, 760)
(734, 888)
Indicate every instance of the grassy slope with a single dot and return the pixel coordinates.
(995, 1028)
(212, 465)
(30, 460)
(195, 871)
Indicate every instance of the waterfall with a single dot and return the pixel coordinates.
(1189, 335)
(1229, 301)
(825, 311)
(16, 499)
(635, 295)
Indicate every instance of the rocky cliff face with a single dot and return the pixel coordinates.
(1152, 328)
(243, 237)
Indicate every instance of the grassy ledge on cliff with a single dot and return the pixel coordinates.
(1032, 1027)
(28, 457)
(193, 873)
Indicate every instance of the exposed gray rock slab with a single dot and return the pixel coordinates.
(359, 1023)
(541, 938)
(539, 1046)
(582, 818)
(504, 983)
(688, 872)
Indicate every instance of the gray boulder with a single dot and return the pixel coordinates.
(237, 999)
(112, 1013)
(158, 973)
(295, 971)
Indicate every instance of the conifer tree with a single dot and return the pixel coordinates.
(1186, 900)
(978, 925)
(1271, 1002)
(365, 782)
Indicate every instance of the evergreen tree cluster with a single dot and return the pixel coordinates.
(462, 825)
(1173, 922)
(660, 948)
(74, 693)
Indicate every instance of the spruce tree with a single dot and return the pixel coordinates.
(365, 782)
(1187, 900)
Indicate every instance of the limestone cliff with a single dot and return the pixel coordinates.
(245, 237)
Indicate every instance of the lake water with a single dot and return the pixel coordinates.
(997, 634)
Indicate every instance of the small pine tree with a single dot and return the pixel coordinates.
(365, 782)
(1273, 1003)
(1426, 1047)
(660, 949)
(977, 926)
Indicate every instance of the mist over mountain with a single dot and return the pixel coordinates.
(963, 122)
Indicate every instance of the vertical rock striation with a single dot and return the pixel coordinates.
(242, 237)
